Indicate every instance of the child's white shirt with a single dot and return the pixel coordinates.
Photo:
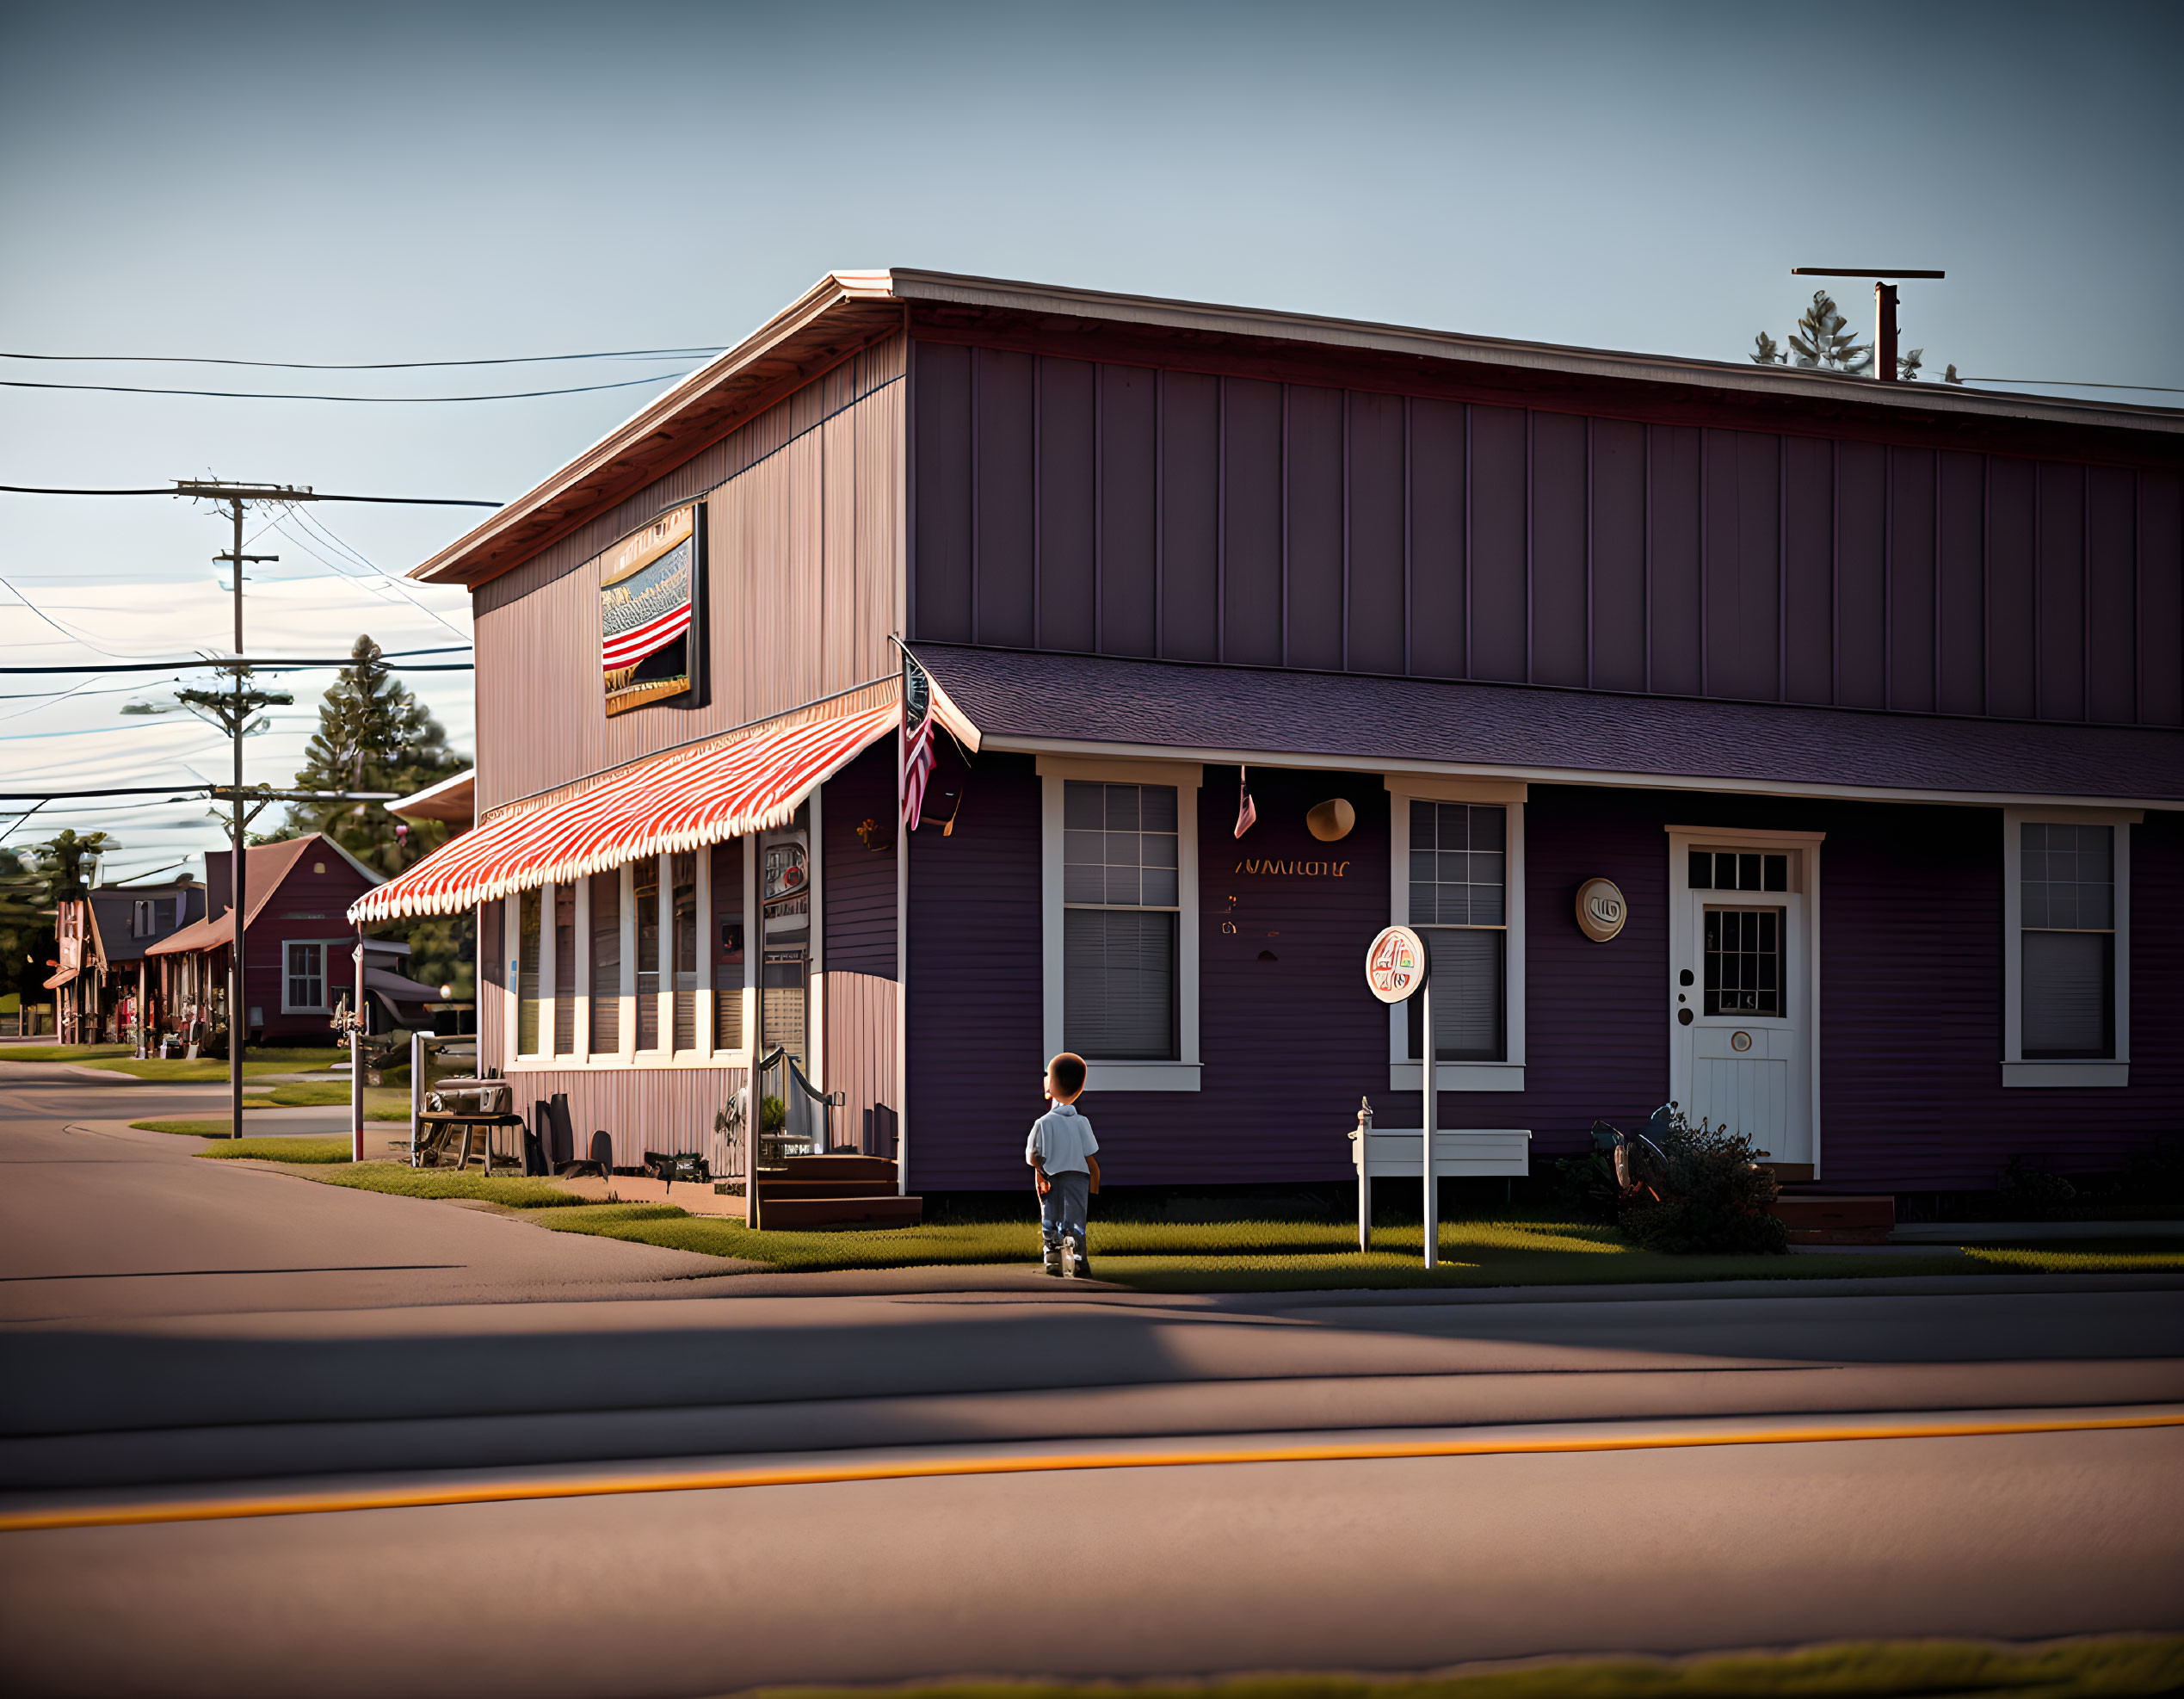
(1060, 1141)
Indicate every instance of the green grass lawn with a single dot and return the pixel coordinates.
(2115, 1665)
(310, 1152)
(117, 1058)
(1247, 1255)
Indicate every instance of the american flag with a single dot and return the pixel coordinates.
(1247, 811)
(917, 740)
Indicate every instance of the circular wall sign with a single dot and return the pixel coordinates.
(1396, 965)
(1600, 909)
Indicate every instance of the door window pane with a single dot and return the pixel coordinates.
(683, 870)
(1738, 870)
(605, 961)
(564, 970)
(728, 945)
(1122, 889)
(526, 973)
(645, 892)
(1744, 966)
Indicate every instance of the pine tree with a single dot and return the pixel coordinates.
(1822, 341)
(374, 735)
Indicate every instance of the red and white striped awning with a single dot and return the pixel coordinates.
(682, 801)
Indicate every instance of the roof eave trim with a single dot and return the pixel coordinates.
(1325, 761)
(833, 290)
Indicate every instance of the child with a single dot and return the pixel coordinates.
(1063, 1167)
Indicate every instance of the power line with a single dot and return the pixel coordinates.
(369, 366)
(386, 400)
(231, 661)
(397, 501)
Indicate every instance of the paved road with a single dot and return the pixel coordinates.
(519, 1357)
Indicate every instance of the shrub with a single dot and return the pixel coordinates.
(1585, 1186)
(2029, 1190)
(1705, 1196)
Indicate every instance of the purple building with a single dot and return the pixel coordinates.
(1805, 748)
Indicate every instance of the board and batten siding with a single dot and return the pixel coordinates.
(803, 507)
(1068, 505)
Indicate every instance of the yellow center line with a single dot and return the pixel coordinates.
(817, 1474)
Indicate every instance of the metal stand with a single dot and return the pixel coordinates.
(1430, 1081)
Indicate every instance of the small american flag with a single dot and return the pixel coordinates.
(917, 740)
(1247, 811)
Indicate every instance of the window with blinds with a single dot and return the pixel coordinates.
(645, 892)
(682, 871)
(564, 970)
(2067, 914)
(728, 945)
(605, 961)
(1121, 899)
(526, 973)
(1459, 901)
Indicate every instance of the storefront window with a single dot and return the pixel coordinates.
(728, 945)
(1120, 898)
(564, 970)
(605, 961)
(684, 871)
(526, 973)
(644, 890)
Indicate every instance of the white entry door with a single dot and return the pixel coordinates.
(1742, 1033)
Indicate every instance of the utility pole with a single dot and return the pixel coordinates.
(236, 711)
(1884, 308)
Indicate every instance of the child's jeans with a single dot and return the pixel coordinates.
(1061, 1210)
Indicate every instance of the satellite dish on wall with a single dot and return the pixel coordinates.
(1331, 820)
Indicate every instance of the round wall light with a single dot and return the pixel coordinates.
(1600, 909)
(1331, 819)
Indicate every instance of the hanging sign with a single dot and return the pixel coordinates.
(651, 613)
(1600, 909)
(1396, 965)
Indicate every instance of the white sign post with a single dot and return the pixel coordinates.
(1397, 965)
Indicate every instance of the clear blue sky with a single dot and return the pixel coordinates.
(382, 182)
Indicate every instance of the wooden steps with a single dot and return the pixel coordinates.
(833, 1191)
(1825, 1217)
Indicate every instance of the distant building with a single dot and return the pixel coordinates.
(1803, 748)
(299, 950)
(104, 943)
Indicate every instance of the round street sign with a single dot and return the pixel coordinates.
(1396, 965)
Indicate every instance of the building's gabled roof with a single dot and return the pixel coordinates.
(847, 309)
(453, 800)
(265, 873)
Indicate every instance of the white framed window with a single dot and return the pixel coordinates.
(303, 984)
(2066, 947)
(608, 971)
(1456, 872)
(1118, 891)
